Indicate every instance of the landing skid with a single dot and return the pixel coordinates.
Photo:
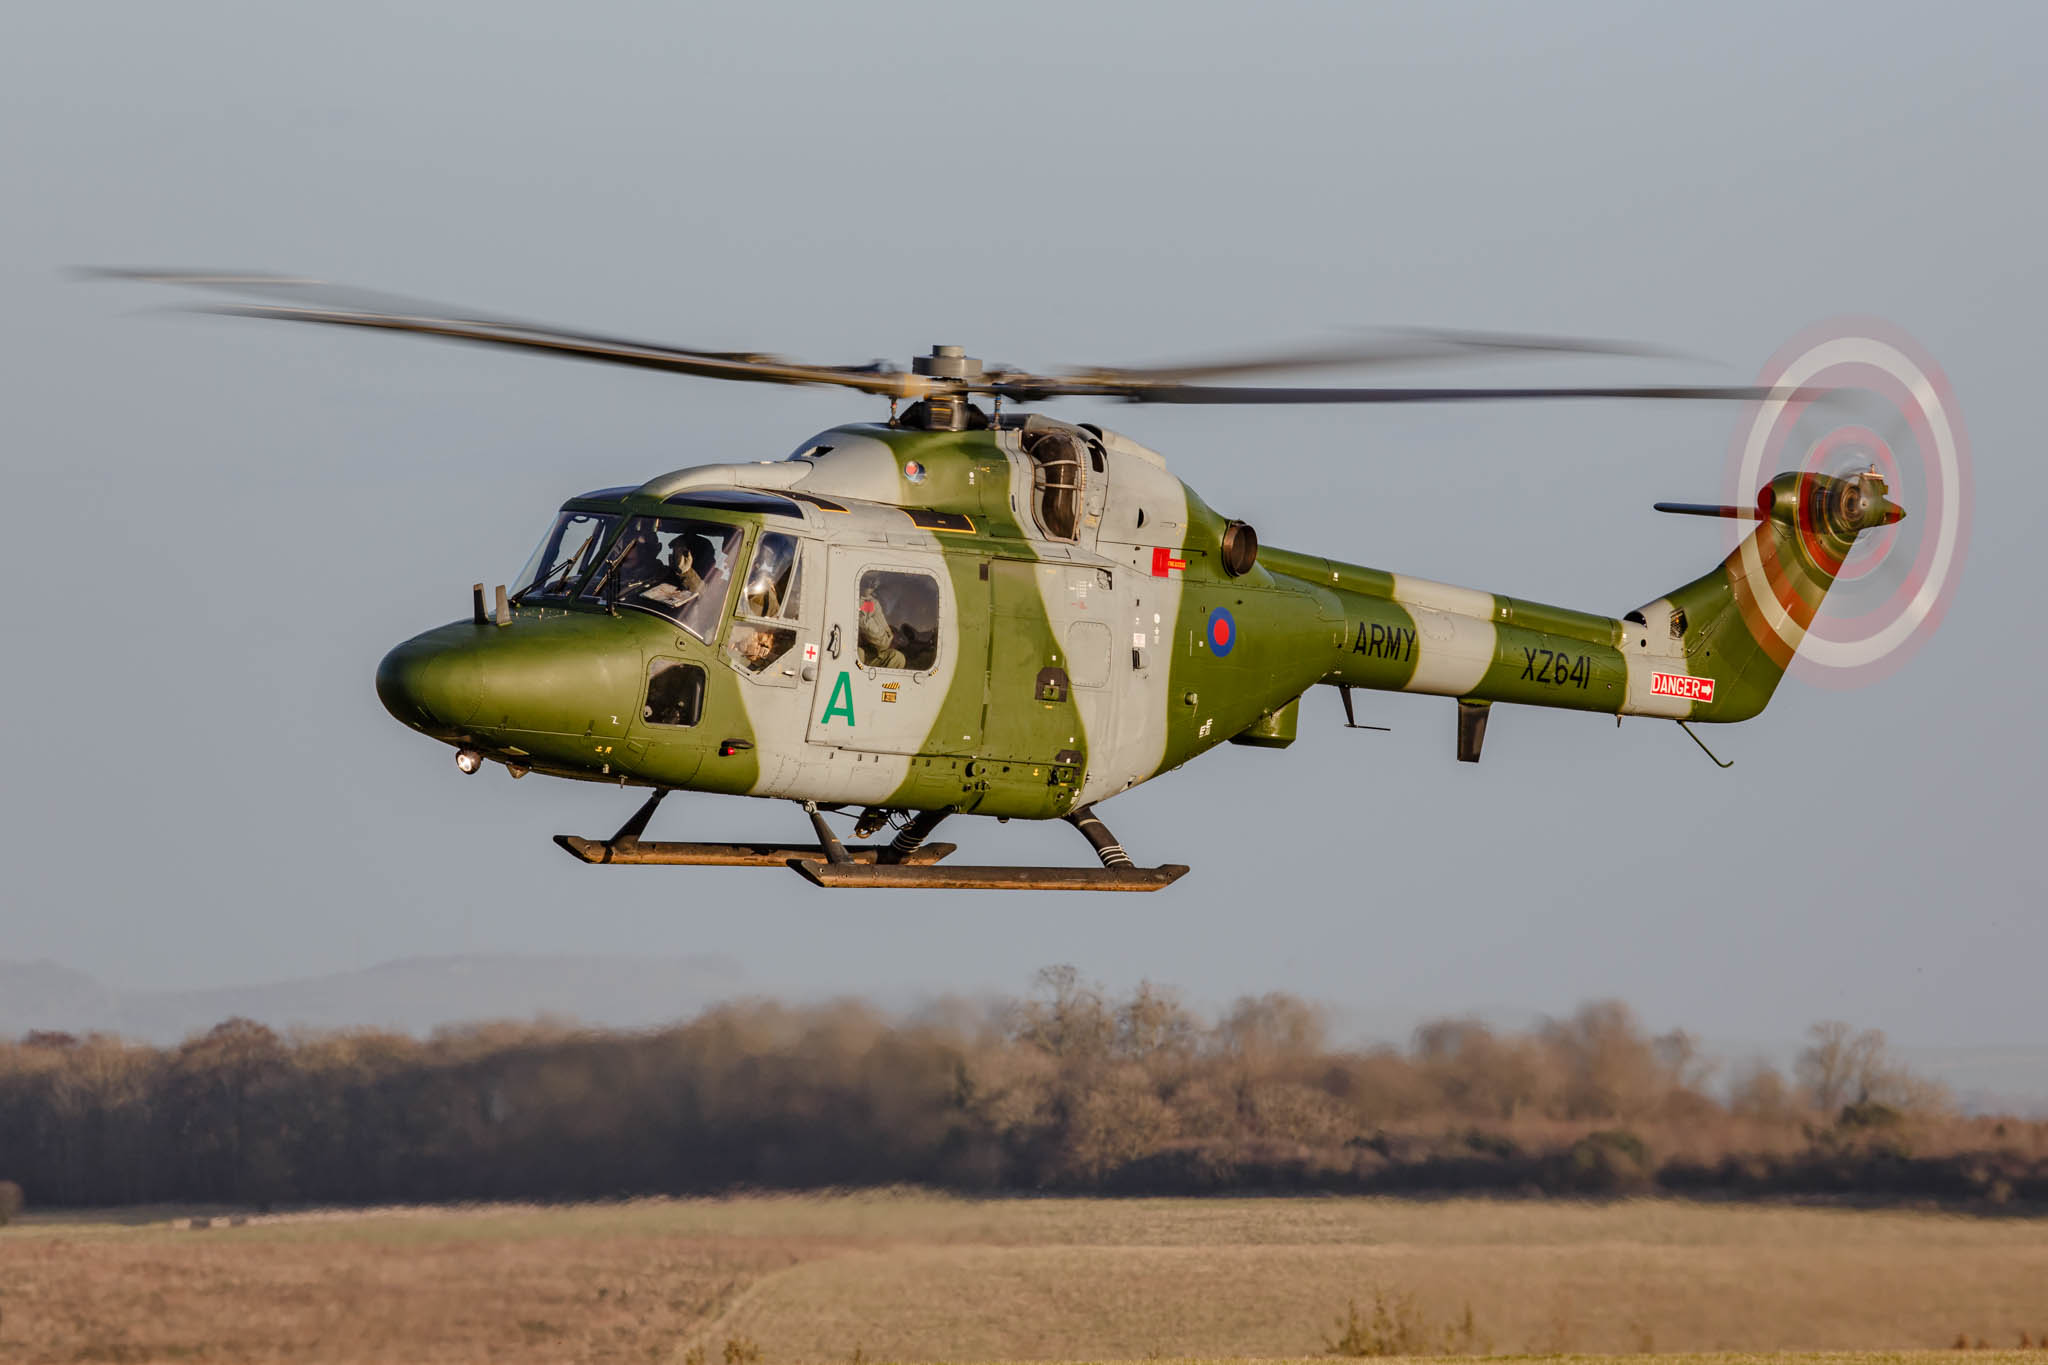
(725, 855)
(963, 877)
(905, 863)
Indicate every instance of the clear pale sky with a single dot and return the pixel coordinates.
(216, 528)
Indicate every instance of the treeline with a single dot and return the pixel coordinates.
(1067, 1090)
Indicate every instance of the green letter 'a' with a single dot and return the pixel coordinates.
(841, 703)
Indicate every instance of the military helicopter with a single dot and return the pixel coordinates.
(980, 611)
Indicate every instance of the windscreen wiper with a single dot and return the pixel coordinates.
(543, 578)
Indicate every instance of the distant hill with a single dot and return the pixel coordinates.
(414, 995)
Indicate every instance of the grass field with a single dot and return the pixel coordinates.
(917, 1277)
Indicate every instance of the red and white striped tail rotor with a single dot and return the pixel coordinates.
(1888, 409)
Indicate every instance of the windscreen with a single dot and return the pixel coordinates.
(672, 566)
(565, 555)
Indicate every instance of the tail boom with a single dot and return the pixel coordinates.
(1712, 650)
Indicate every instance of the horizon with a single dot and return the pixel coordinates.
(2009, 1078)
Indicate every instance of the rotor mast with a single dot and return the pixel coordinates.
(945, 406)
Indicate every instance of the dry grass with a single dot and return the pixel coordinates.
(1987, 1357)
(216, 1296)
(910, 1276)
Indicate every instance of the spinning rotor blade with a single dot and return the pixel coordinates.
(708, 365)
(294, 299)
(1205, 393)
(1876, 568)
(1388, 346)
(306, 300)
(320, 296)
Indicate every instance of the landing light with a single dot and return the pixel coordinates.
(469, 760)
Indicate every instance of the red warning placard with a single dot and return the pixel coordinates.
(1680, 685)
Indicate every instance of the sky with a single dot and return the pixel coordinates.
(218, 527)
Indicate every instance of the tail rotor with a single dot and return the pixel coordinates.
(1889, 429)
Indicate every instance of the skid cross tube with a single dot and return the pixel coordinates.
(1097, 834)
(911, 837)
(630, 832)
(835, 852)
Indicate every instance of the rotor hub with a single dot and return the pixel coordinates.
(945, 406)
(947, 362)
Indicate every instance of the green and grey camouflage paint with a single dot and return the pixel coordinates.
(1070, 669)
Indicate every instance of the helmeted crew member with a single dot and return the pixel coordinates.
(642, 562)
(763, 593)
(877, 638)
(690, 561)
(681, 580)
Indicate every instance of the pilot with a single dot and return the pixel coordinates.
(690, 561)
(877, 639)
(642, 563)
(677, 584)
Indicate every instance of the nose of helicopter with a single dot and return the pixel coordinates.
(433, 682)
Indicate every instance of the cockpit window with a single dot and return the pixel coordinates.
(772, 584)
(899, 620)
(675, 693)
(671, 566)
(768, 603)
(566, 553)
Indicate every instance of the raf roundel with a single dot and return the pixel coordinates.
(913, 471)
(1222, 632)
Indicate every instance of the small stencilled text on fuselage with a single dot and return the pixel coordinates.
(1556, 667)
(1378, 641)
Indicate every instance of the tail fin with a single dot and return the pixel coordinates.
(1735, 630)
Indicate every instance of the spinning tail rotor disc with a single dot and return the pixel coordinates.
(1889, 409)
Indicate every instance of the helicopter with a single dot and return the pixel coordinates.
(989, 611)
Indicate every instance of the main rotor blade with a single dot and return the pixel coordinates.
(1387, 347)
(315, 301)
(1021, 387)
(293, 299)
(710, 365)
(297, 290)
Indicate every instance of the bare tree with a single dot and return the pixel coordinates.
(1272, 1028)
(1477, 1073)
(1153, 1026)
(1759, 1092)
(1838, 1065)
(1611, 1070)
(1069, 1019)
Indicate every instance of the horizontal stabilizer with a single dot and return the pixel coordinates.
(1710, 509)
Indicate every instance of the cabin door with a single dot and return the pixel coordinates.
(890, 649)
